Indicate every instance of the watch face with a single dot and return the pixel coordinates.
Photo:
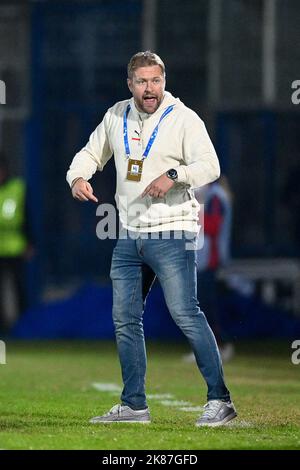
(172, 173)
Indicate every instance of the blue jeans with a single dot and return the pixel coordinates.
(175, 268)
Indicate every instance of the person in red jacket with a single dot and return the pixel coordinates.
(214, 255)
(216, 201)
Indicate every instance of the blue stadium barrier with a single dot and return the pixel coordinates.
(87, 315)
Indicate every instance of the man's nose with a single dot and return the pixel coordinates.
(149, 85)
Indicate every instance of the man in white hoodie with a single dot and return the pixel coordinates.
(162, 151)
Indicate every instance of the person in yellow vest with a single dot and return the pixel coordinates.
(15, 244)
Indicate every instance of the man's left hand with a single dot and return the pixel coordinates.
(159, 187)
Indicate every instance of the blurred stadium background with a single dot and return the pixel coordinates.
(234, 62)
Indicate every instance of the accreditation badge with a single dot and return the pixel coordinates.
(134, 171)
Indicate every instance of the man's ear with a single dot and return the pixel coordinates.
(129, 83)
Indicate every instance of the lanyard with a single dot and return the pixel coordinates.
(152, 137)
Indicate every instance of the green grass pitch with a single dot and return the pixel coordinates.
(46, 398)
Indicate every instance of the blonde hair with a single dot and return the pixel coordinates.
(144, 59)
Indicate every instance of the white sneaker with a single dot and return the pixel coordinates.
(123, 414)
(217, 413)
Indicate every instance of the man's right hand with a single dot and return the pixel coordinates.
(83, 191)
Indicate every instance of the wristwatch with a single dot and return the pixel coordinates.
(172, 174)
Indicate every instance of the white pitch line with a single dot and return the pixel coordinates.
(166, 399)
(162, 396)
(116, 389)
(106, 387)
(239, 424)
(175, 403)
(192, 408)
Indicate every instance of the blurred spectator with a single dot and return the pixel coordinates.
(215, 253)
(15, 244)
(291, 198)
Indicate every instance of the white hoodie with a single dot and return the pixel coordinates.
(182, 142)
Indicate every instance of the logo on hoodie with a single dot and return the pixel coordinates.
(136, 134)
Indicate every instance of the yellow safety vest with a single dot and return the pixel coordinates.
(12, 213)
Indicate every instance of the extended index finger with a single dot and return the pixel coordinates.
(89, 195)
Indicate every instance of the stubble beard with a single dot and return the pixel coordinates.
(149, 110)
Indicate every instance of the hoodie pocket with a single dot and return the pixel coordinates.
(177, 197)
